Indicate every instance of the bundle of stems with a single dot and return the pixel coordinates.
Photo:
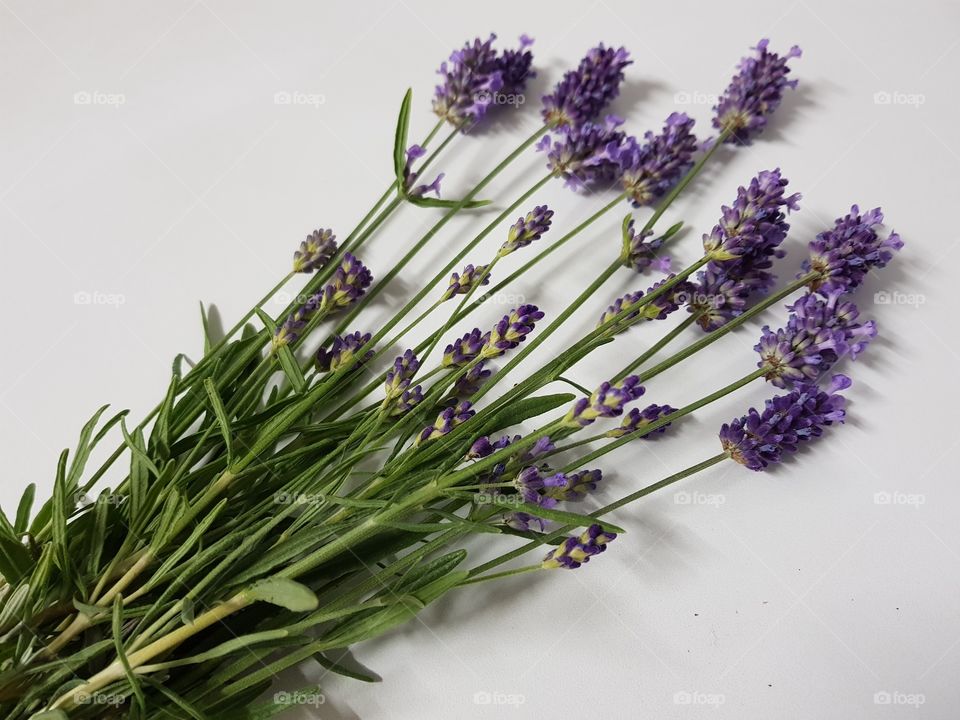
(300, 489)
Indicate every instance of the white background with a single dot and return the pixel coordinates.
(792, 594)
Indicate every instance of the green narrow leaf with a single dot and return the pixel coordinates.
(22, 521)
(220, 412)
(98, 534)
(291, 368)
(430, 202)
(136, 446)
(176, 699)
(84, 446)
(15, 560)
(122, 654)
(207, 344)
(422, 575)
(187, 610)
(400, 139)
(286, 593)
(523, 410)
(339, 669)
(63, 505)
(268, 322)
(187, 545)
(50, 715)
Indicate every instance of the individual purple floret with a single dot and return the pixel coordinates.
(511, 331)
(447, 421)
(406, 400)
(469, 383)
(760, 439)
(650, 169)
(515, 67)
(656, 309)
(753, 94)
(743, 246)
(818, 333)
(640, 252)
(533, 486)
(578, 549)
(527, 229)
(342, 350)
(414, 153)
(315, 251)
(291, 328)
(399, 376)
(582, 94)
(463, 282)
(843, 255)
(576, 486)
(608, 400)
(586, 154)
(347, 285)
(637, 421)
(464, 350)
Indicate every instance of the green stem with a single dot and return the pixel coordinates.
(656, 347)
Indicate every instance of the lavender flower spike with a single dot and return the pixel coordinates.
(465, 350)
(511, 331)
(342, 350)
(638, 420)
(578, 549)
(760, 439)
(526, 229)
(608, 400)
(347, 285)
(843, 255)
(446, 421)
(586, 154)
(315, 251)
(656, 309)
(648, 171)
(640, 253)
(414, 153)
(464, 282)
(399, 376)
(530, 483)
(753, 94)
(576, 486)
(291, 329)
(583, 93)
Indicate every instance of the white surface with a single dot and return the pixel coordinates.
(793, 595)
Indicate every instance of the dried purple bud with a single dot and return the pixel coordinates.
(527, 229)
(315, 251)
(608, 400)
(466, 281)
(289, 332)
(511, 331)
(638, 420)
(576, 486)
(347, 285)
(398, 377)
(648, 171)
(447, 421)
(586, 154)
(469, 383)
(583, 93)
(578, 549)
(465, 350)
(656, 309)
(342, 350)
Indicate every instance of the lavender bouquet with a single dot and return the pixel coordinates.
(309, 483)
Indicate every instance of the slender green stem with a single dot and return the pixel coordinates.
(500, 575)
(656, 347)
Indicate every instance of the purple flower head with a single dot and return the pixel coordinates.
(315, 251)
(754, 93)
(472, 380)
(524, 522)
(576, 486)
(608, 400)
(406, 400)
(578, 549)
(585, 154)
(483, 447)
(526, 229)
(348, 284)
(475, 76)
(461, 283)
(399, 376)
(650, 169)
(446, 421)
(638, 420)
(760, 439)
(465, 350)
(843, 255)
(656, 309)
(511, 331)
(342, 350)
(819, 332)
(640, 252)
(532, 485)
(582, 94)
(291, 328)
(414, 153)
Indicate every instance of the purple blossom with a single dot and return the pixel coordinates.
(515, 67)
(408, 399)
(465, 350)
(754, 93)
(843, 255)
(819, 332)
(464, 282)
(638, 420)
(582, 94)
(315, 251)
(532, 485)
(527, 229)
(446, 421)
(414, 153)
(511, 331)
(640, 253)
(608, 400)
(342, 350)
(585, 154)
(576, 486)
(399, 377)
(578, 549)
(347, 285)
(650, 169)
(760, 439)
(291, 328)
(656, 309)
(469, 383)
